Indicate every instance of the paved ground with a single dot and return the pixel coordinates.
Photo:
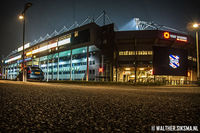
(28, 107)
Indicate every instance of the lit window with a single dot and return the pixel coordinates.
(194, 59)
(75, 33)
(150, 53)
(189, 57)
(144, 52)
(126, 53)
(135, 52)
(139, 52)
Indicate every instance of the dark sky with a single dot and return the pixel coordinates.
(47, 15)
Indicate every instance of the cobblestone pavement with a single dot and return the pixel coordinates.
(33, 107)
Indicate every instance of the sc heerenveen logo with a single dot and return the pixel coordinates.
(174, 61)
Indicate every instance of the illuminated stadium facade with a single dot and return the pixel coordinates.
(99, 53)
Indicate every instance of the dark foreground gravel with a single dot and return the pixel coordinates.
(35, 107)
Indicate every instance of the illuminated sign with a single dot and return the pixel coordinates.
(25, 47)
(100, 69)
(44, 48)
(63, 42)
(13, 59)
(19, 61)
(181, 38)
(52, 45)
(168, 35)
(27, 59)
(29, 53)
(49, 46)
(174, 61)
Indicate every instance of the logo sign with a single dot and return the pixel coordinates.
(174, 61)
(179, 38)
(166, 35)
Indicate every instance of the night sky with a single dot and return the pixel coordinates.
(47, 15)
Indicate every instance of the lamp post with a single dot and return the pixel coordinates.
(22, 17)
(196, 26)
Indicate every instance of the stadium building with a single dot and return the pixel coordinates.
(100, 53)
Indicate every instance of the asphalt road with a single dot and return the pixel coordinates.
(33, 107)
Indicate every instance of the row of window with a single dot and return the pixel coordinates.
(68, 72)
(74, 72)
(147, 53)
(92, 71)
(135, 52)
(192, 58)
(73, 64)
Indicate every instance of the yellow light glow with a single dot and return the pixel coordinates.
(141, 69)
(195, 25)
(132, 76)
(29, 53)
(179, 39)
(75, 33)
(21, 17)
(127, 69)
(151, 71)
(127, 72)
(188, 74)
(166, 35)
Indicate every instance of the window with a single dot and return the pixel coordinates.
(64, 37)
(65, 53)
(93, 48)
(150, 52)
(192, 58)
(92, 62)
(66, 72)
(75, 33)
(135, 53)
(83, 36)
(93, 71)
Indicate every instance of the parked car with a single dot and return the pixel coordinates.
(33, 73)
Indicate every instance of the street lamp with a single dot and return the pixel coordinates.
(22, 17)
(196, 26)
